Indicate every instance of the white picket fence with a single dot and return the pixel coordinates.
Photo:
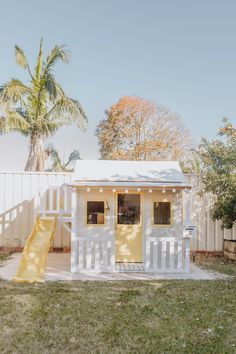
(167, 255)
(96, 254)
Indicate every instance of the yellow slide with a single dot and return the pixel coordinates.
(34, 258)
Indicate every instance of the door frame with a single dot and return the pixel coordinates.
(142, 199)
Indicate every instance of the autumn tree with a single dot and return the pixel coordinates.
(138, 129)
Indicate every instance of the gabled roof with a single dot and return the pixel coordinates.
(116, 172)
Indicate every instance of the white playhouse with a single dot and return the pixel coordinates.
(130, 216)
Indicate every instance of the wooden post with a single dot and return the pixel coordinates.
(51, 195)
(187, 255)
(104, 254)
(180, 254)
(88, 255)
(187, 206)
(58, 198)
(172, 254)
(147, 255)
(187, 240)
(163, 254)
(74, 231)
(36, 206)
(80, 254)
(113, 262)
(97, 255)
(155, 255)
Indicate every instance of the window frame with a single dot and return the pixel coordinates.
(141, 209)
(86, 212)
(171, 213)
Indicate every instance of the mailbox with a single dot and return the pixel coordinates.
(189, 231)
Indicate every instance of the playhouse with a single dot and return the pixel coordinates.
(121, 216)
(130, 216)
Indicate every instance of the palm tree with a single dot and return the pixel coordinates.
(39, 109)
(58, 165)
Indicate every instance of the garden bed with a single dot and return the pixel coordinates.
(230, 249)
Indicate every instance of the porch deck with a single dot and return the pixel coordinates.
(58, 269)
(129, 267)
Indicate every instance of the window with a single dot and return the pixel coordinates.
(128, 209)
(162, 213)
(95, 213)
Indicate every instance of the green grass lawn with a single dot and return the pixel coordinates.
(120, 317)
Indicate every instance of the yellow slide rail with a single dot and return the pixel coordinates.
(35, 253)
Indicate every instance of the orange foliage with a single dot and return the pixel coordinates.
(138, 129)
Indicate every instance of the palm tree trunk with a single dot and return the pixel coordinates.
(35, 160)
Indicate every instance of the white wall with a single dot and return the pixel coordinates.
(147, 200)
(96, 230)
(176, 204)
(147, 210)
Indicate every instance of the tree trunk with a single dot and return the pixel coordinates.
(35, 160)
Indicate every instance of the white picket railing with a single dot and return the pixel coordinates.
(96, 254)
(167, 255)
(163, 255)
(54, 200)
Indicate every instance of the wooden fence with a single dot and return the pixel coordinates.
(209, 234)
(19, 192)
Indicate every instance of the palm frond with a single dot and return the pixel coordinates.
(52, 87)
(39, 64)
(54, 153)
(57, 164)
(22, 60)
(74, 156)
(20, 57)
(14, 122)
(67, 111)
(13, 91)
(57, 53)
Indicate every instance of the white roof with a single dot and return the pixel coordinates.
(116, 172)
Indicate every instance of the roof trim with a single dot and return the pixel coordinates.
(124, 181)
(156, 185)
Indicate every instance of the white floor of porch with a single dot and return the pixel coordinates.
(129, 267)
(58, 269)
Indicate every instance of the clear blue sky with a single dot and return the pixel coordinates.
(180, 53)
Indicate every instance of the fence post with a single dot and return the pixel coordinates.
(74, 242)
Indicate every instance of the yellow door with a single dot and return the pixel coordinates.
(128, 228)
